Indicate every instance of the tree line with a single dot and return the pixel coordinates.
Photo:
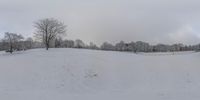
(49, 33)
(16, 42)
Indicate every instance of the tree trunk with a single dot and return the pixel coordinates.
(47, 46)
(11, 49)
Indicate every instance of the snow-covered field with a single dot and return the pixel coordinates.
(75, 74)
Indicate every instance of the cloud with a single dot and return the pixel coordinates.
(154, 21)
(186, 34)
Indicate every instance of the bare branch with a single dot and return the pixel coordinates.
(48, 29)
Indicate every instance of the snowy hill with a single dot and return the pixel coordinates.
(75, 74)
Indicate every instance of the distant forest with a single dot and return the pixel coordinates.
(50, 32)
(20, 43)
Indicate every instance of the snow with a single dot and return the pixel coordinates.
(78, 74)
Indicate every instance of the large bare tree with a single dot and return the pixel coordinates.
(12, 39)
(48, 29)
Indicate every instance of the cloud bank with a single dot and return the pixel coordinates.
(154, 21)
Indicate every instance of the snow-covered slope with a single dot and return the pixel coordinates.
(75, 74)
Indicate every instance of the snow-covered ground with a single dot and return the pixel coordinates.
(75, 74)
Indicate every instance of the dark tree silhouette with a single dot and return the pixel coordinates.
(48, 29)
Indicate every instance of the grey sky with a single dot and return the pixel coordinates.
(154, 21)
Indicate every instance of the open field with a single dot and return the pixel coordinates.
(76, 74)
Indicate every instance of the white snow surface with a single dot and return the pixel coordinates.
(78, 74)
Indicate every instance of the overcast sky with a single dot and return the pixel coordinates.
(154, 21)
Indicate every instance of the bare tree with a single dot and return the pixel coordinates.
(48, 29)
(107, 46)
(58, 42)
(68, 43)
(28, 43)
(121, 46)
(12, 39)
(93, 46)
(79, 43)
